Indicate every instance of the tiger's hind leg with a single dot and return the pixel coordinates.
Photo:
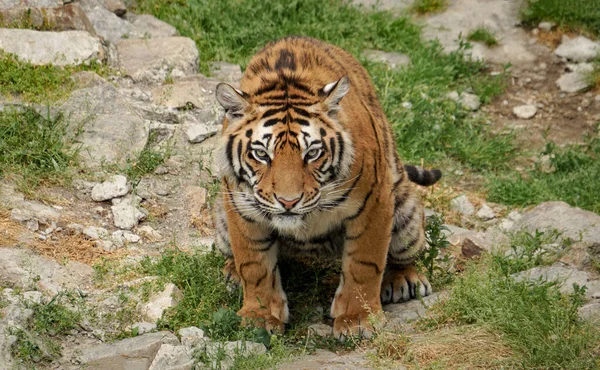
(401, 280)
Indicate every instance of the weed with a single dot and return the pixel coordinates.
(437, 242)
(484, 35)
(572, 15)
(54, 318)
(429, 6)
(32, 147)
(572, 177)
(529, 250)
(594, 76)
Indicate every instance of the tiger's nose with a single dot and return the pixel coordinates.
(288, 204)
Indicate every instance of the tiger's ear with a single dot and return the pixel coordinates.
(334, 92)
(231, 99)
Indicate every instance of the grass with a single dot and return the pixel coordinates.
(32, 148)
(44, 84)
(571, 15)
(483, 35)
(429, 6)
(572, 177)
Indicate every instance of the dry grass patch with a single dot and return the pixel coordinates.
(9, 230)
(460, 347)
(64, 246)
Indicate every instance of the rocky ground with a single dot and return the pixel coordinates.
(158, 101)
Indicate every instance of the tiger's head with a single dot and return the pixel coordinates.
(286, 148)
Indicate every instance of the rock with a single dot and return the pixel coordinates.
(130, 353)
(107, 24)
(229, 350)
(22, 268)
(195, 199)
(85, 79)
(159, 302)
(566, 277)
(226, 72)
(469, 101)
(391, 59)
(106, 127)
(572, 82)
(400, 314)
(471, 243)
(572, 222)
(95, 233)
(143, 327)
(486, 213)
(321, 330)
(126, 214)
(182, 94)
(579, 49)
(157, 59)
(525, 111)
(33, 297)
(115, 6)
(581, 255)
(69, 17)
(131, 237)
(462, 205)
(147, 26)
(58, 48)
(591, 313)
(192, 336)
(7, 4)
(198, 133)
(148, 233)
(115, 186)
(546, 26)
(327, 360)
(170, 357)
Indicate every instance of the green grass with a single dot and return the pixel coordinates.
(32, 148)
(429, 6)
(574, 177)
(483, 35)
(39, 84)
(572, 15)
(534, 319)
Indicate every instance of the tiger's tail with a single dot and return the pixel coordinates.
(421, 176)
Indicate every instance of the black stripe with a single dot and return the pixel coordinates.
(273, 111)
(368, 263)
(271, 122)
(362, 206)
(302, 122)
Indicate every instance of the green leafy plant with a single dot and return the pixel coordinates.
(484, 35)
(436, 239)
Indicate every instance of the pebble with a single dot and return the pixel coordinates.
(525, 111)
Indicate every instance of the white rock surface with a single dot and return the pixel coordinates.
(115, 186)
(95, 233)
(156, 59)
(144, 327)
(321, 330)
(198, 133)
(546, 26)
(170, 357)
(486, 213)
(579, 49)
(576, 80)
(566, 277)
(126, 214)
(467, 100)
(391, 59)
(147, 26)
(107, 24)
(159, 302)
(462, 205)
(192, 336)
(525, 111)
(57, 48)
(226, 72)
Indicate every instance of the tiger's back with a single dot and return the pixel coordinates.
(310, 165)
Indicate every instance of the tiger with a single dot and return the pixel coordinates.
(309, 165)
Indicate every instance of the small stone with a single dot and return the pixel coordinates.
(131, 237)
(192, 336)
(126, 214)
(546, 26)
(199, 133)
(406, 105)
(462, 205)
(143, 327)
(486, 213)
(467, 100)
(579, 49)
(115, 6)
(391, 59)
(226, 72)
(170, 357)
(148, 233)
(33, 296)
(95, 233)
(525, 111)
(114, 187)
(159, 302)
(321, 330)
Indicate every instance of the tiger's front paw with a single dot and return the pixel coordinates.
(262, 319)
(345, 326)
(400, 285)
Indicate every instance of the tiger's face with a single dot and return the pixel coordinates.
(289, 159)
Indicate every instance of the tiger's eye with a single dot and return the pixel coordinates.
(313, 153)
(260, 153)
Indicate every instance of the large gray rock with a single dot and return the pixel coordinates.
(400, 314)
(7, 4)
(182, 94)
(147, 26)
(158, 303)
(579, 49)
(572, 222)
(391, 59)
(157, 59)
(128, 354)
(107, 24)
(227, 72)
(108, 128)
(61, 18)
(326, 360)
(22, 268)
(170, 357)
(566, 277)
(58, 48)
